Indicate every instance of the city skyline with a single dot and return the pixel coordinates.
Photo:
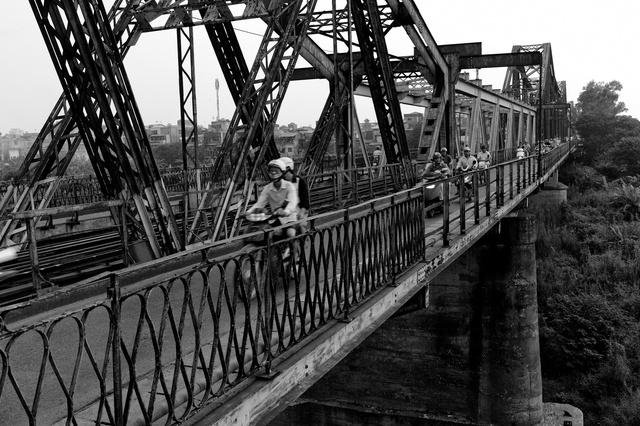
(29, 86)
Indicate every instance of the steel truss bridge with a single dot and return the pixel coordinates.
(177, 339)
(343, 43)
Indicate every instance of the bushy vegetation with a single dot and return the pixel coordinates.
(589, 277)
(589, 268)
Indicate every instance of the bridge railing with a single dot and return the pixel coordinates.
(170, 336)
(169, 345)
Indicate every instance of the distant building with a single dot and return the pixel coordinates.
(16, 144)
(159, 134)
(287, 143)
(412, 119)
(214, 135)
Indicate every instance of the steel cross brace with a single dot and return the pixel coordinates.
(99, 93)
(265, 87)
(376, 58)
(54, 147)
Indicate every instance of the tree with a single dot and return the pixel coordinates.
(167, 155)
(598, 109)
(625, 154)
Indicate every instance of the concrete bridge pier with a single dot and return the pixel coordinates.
(551, 192)
(471, 358)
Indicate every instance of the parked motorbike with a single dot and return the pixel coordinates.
(6, 255)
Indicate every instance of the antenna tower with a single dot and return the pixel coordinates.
(217, 100)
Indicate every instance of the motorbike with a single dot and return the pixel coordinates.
(6, 255)
(433, 194)
(254, 258)
(482, 166)
(468, 183)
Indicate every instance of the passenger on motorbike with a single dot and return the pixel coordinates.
(279, 196)
(484, 157)
(302, 189)
(446, 158)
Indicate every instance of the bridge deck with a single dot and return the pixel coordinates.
(196, 348)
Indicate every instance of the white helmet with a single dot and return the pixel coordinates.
(288, 162)
(277, 164)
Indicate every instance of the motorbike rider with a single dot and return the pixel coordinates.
(280, 196)
(467, 162)
(436, 169)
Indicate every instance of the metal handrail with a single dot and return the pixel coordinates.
(178, 341)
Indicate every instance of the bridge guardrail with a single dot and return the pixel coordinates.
(171, 345)
(190, 337)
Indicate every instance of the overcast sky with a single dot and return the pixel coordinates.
(590, 40)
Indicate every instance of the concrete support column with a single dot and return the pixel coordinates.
(471, 358)
(509, 381)
(552, 192)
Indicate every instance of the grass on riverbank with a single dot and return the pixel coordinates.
(588, 273)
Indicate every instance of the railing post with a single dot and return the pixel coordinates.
(446, 196)
(511, 180)
(519, 176)
(462, 199)
(394, 240)
(487, 185)
(346, 268)
(338, 179)
(499, 186)
(114, 295)
(268, 326)
(33, 254)
(476, 199)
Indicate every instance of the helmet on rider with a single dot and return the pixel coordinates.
(443, 149)
(276, 169)
(288, 162)
(466, 149)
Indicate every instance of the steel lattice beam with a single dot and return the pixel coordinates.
(266, 85)
(385, 99)
(108, 120)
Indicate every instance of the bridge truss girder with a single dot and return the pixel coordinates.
(258, 92)
(537, 84)
(54, 147)
(86, 58)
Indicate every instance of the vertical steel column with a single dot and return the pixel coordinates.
(187, 90)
